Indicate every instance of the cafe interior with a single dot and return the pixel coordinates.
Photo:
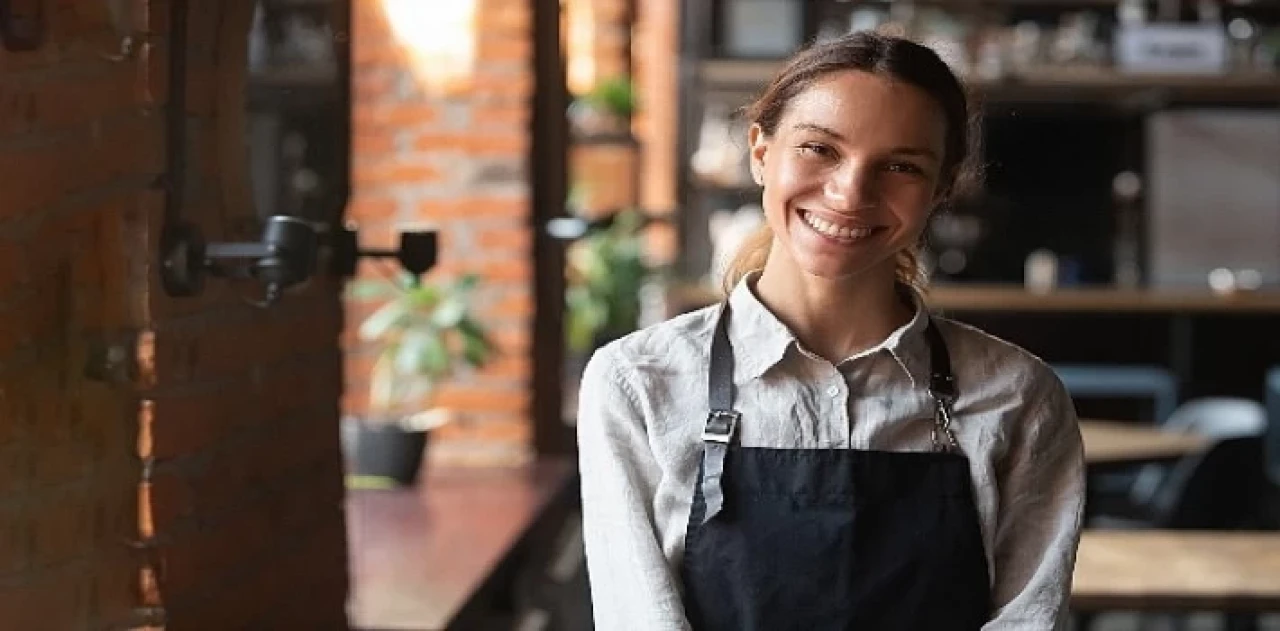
(408, 225)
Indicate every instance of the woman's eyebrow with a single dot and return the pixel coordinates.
(923, 152)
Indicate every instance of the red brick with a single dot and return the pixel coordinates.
(377, 144)
(15, 469)
(171, 499)
(473, 142)
(15, 539)
(476, 207)
(12, 267)
(205, 556)
(480, 398)
(505, 49)
(501, 116)
(52, 601)
(64, 525)
(393, 116)
(518, 306)
(501, 270)
(502, 84)
(373, 85)
(372, 207)
(63, 462)
(388, 175)
(507, 367)
(509, 239)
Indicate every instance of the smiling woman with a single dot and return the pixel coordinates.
(820, 451)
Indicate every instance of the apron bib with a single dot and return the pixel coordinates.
(832, 539)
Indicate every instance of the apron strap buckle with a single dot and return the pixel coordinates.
(721, 425)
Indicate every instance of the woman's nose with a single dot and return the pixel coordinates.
(851, 188)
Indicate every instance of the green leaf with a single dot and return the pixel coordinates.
(372, 290)
(475, 351)
(386, 318)
(449, 313)
(382, 381)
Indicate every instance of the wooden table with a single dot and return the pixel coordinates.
(1163, 570)
(1114, 443)
(420, 557)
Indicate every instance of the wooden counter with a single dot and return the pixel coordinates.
(1154, 570)
(1014, 298)
(420, 557)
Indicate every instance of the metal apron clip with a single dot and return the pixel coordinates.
(942, 389)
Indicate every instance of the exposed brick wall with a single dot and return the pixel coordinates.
(241, 403)
(202, 427)
(77, 151)
(655, 61)
(457, 164)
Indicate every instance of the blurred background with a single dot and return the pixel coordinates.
(295, 294)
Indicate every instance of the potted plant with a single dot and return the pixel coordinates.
(606, 109)
(424, 333)
(606, 274)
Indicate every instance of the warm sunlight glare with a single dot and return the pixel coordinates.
(440, 36)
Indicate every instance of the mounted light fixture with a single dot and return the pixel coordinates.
(440, 39)
(291, 249)
(286, 256)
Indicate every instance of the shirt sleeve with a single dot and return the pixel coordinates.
(632, 585)
(1042, 482)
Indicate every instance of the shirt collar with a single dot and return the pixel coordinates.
(761, 340)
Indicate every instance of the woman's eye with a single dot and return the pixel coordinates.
(905, 167)
(817, 150)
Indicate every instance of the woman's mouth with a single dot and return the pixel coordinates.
(841, 232)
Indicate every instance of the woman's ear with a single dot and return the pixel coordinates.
(759, 147)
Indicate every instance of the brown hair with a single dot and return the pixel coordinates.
(896, 57)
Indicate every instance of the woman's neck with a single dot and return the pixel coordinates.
(833, 318)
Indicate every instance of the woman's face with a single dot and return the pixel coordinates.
(851, 174)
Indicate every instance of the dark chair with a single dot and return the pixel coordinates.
(1223, 488)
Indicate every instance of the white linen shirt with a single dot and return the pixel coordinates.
(643, 405)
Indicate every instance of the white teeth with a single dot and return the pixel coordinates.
(832, 230)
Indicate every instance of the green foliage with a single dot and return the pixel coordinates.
(424, 333)
(616, 96)
(606, 273)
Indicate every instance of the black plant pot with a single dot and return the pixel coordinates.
(387, 451)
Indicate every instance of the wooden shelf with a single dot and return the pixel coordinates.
(1098, 299)
(749, 76)
(1013, 298)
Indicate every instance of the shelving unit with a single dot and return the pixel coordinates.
(711, 77)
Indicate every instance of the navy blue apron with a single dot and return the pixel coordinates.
(832, 539)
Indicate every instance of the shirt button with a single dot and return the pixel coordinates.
(834, 391)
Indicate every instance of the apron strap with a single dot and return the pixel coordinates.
(942, 389)
(722, 421)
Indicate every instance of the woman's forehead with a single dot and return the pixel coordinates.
(867, 106)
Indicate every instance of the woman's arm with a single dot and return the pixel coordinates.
(632, 586)
(1037, 534)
